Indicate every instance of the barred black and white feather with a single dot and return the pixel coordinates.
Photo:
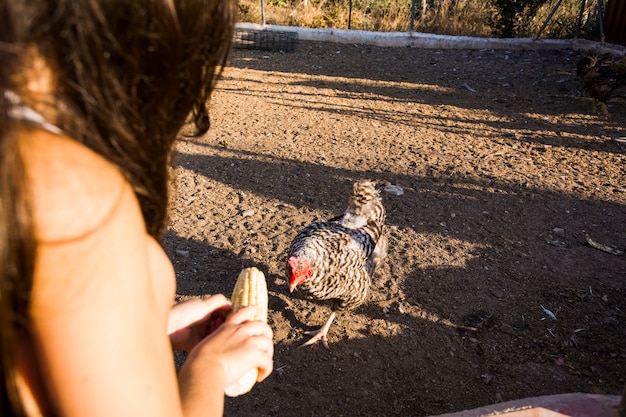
(338, 257)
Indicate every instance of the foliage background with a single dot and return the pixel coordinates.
(489, 18)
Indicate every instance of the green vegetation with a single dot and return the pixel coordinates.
(488, 18)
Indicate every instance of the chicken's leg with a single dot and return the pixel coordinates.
(321, 333)
(603, 109)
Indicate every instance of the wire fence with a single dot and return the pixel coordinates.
(265, 40)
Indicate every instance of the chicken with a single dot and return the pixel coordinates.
(201, 119)
(600, 80)
(618, 67)
(336, 259)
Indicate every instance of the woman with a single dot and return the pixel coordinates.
(93, 94)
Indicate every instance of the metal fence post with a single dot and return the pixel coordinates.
(350, 15)
(556, 6)
(263, 12)
(601, 21)
(580, 19)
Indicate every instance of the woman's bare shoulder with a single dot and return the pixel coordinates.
(72, 189)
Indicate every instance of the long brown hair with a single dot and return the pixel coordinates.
(17, 247)
(127, 74)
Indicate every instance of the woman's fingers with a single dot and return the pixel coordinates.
(266, 347)
(239, 344)
(216, 302)
(195, 310)
(260, 338)
(190, 321)
(245, 314)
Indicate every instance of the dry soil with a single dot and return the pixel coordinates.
(491, 291)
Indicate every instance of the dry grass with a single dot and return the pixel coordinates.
(450, 17)
(464, 17)
(563, 23)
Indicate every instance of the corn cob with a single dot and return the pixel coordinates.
(250, 290)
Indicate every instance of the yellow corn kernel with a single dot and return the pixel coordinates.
(250, 290)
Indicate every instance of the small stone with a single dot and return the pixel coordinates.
(247, 213)
(506, 328)
(183, 253)
(499, 294)
(393, 189)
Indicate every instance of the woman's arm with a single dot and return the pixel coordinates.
(99, 322)
(100, 307)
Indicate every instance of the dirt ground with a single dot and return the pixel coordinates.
(490, 291)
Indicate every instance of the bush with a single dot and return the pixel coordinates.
(489, 18)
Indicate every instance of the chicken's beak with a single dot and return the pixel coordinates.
(292, 286)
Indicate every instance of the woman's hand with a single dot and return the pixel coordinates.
(192, 320)
(224, 356)
(237, 344)
(241, 343)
